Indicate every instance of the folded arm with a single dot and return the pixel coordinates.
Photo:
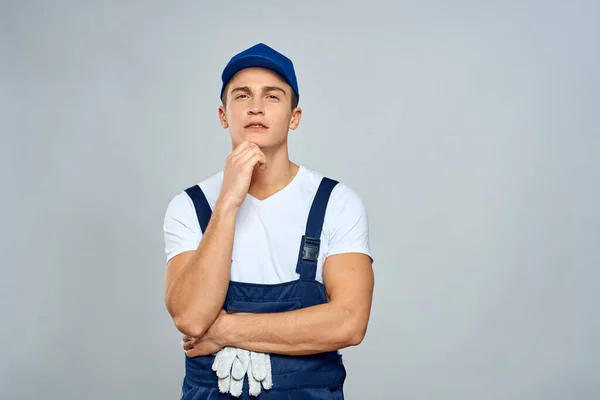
(196, 281)
(342, 322)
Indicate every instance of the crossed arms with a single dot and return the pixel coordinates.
(196, 284)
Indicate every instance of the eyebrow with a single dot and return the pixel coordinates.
(240, 89)
(246, 89)
(273, 88)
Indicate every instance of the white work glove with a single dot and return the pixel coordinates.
(259, 373)
(231, 365)
(222, 366)
(238, 371)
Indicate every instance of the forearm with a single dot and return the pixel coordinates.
(197, 294)
(317, 329)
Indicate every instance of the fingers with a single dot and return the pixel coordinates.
(241, 149)
(267, 383)
(251, 156)
(236, 386)
(224, 364)
(245, 145)
(232, 364)
(258, 365)
(253, 384)
(217, 360)
(188, 342)
(224, 384)
(235, 157)
(240, 365)
(238, 151)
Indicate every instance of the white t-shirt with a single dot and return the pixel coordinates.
(268, 232)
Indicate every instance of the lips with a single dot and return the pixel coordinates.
(256, 125)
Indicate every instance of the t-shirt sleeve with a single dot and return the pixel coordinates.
(181, 228)
(347, 223)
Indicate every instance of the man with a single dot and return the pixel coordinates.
(268, 264)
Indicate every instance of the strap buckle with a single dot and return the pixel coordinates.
(310, 248)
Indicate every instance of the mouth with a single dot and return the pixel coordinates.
(256, 125)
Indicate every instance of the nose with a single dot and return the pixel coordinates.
(256, 107)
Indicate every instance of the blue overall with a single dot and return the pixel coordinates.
(313, 377)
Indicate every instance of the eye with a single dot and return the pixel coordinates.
(240, 96)
(272, 96)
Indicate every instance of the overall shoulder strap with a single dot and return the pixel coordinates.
(203, 210)
(311, 242)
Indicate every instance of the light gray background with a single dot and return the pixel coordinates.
(470, 130)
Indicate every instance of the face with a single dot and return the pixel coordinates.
(258, 108)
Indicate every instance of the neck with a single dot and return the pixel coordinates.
(279, 173)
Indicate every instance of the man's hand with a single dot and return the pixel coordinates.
(210, 343)
(237, 174)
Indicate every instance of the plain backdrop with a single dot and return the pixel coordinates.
(470, 130)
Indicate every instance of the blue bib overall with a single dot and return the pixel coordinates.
(313, 377)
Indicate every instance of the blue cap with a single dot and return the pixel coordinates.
(261, 56)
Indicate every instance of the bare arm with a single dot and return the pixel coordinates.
(196, 281)
(340, 323)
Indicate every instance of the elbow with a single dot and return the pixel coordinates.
(188, 327)
(353, 325)
(355, 336)
(356, 329)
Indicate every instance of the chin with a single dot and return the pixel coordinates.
(261, 140)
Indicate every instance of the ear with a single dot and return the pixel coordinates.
(296, 116)
(223, 117)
